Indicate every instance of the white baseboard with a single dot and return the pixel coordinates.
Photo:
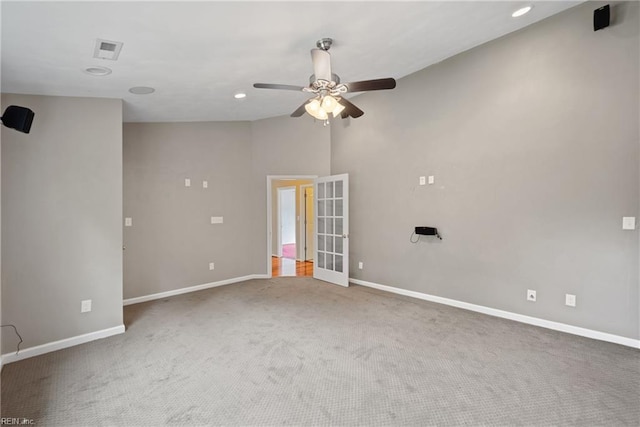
(556, 326)
(160, 295)
(59, 345)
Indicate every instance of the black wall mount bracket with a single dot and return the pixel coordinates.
(427, 231)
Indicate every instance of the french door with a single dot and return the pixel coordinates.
(331, 237)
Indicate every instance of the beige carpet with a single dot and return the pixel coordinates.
(295, 351)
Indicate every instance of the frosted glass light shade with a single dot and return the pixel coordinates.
(329, 103)
(315, 109)
(337, 110)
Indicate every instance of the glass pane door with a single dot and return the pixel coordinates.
(332, 229)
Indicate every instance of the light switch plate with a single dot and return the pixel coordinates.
(211, 266)
(187, 182)
(217, 220)
(360, 265)
(205, 184)
(629, 223)
(128, 222)
(431, 179)
(423, 180)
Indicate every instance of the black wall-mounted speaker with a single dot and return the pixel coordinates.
(18, 118)
(601, 17)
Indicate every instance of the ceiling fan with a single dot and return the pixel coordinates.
(327, 89)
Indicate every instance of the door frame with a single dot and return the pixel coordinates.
(303, 228)
(279, 210)
(270, 179)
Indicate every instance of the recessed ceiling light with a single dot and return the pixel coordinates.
(240, 95)
(142, 90)
(98, 71)
(521, 11)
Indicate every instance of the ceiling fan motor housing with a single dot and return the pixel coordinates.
(334, 78)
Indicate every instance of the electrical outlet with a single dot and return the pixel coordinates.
(531, 295)
(128, 222)
(432, 179)
(205, 184)
(361, 265)
(423, 180)
(629, 223)
(211, 266)
(217, 220)
(187, 182)
(85, 306)
(570, 300)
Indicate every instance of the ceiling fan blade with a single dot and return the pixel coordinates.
(350, 109)
(300, 111)
(366, 85)
(321, 64)
(277, 86)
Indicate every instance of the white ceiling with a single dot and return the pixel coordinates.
(197, 55)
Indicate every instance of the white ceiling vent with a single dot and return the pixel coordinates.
(107, 49)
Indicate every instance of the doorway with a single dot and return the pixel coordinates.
(287, 222)
(290, 249)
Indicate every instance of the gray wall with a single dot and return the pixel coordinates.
(172, 240)
(61, 219)
(533, 140)
(282, 146)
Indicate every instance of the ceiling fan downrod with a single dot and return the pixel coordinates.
(324, 43)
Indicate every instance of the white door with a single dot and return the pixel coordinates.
(331, 237)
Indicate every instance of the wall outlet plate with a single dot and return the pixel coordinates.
(423, 180)
(128, 222)
(628, 222)
(187, 182)
(360, 265)
(85, 306)
(570, 300)
(531, 295)
(211, 266)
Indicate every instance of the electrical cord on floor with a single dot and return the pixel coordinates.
(18, 334)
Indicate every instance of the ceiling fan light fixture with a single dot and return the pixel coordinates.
(320, 108)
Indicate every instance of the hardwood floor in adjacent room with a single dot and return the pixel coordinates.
(290, 267)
